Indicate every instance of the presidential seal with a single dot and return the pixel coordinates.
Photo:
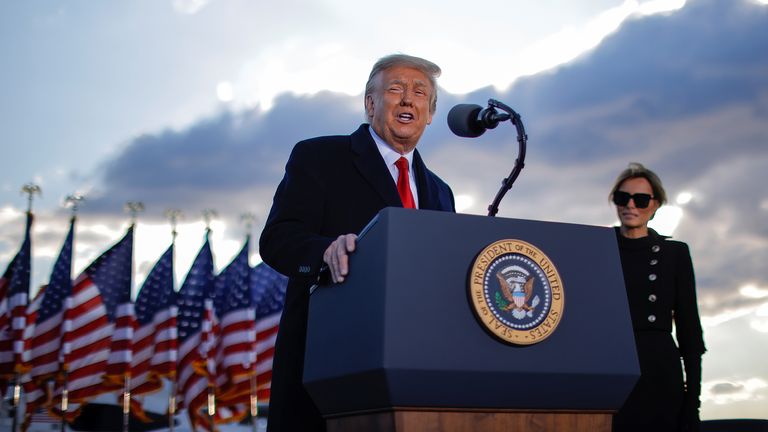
(516, 292)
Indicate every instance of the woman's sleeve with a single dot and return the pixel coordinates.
(689, 336)
(687, 323)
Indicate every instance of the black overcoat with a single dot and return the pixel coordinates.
(661, 289)
(333, 185)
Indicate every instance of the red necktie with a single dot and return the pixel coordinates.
(404, 184)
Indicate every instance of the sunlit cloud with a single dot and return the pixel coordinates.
(569, 43)
(724, 317)
(753, 291)
(11, 227)
(726, 392)
(8, 213)
(294, 67)
(153, 239)
(747, 304)
(760, 321)
(100, 229)
(225, 92)
(85, 251)
(302, 65)
(464, 202)
(189, 6)
(666, 220)
(659, 6)
(684, 198)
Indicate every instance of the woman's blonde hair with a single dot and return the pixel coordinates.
(637, 170)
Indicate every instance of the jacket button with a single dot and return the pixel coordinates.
(654, 261)
(655, 248)
(652, 277)
(651, 318)
(652, 298)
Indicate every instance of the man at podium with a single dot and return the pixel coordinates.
(332, 187)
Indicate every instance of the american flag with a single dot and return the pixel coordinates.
(268, 291)
(89, 331)
(155, 340)
(195, 328)
(47, 312)
(236, 350)
(112, 274)
(14, 296)
(36, 392)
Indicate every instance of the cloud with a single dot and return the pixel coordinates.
(211, 163)
(11, 232)
(756, 312)
(685, 93)
(734, 360)
(724, 392)
(189, 7)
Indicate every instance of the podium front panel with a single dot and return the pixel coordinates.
(401, 331)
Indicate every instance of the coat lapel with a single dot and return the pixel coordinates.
(371, 166)
(428, 191)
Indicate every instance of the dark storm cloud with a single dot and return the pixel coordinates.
(218, 156)
(726, 388)
(653, 69)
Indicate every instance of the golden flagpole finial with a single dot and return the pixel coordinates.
(173, 215)
(208, 216)
(73, 202)
(249, 220)
(31, 190)
(133, 208)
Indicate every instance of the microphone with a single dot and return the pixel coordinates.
(471, 121)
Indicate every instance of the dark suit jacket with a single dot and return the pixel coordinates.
(332, 186)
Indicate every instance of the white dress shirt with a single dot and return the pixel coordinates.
(390, 157)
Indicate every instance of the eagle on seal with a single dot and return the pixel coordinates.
(518, 295)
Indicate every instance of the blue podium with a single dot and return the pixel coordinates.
(398, 345)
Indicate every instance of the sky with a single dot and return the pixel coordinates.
(195, 104)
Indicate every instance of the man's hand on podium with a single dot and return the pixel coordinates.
(337, 256)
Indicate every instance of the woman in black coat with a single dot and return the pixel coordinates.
(661, 289)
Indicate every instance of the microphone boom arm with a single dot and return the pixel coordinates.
(522, 140)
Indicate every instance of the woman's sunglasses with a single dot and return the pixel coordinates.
(642, 200)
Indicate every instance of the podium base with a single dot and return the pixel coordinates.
(400, 420)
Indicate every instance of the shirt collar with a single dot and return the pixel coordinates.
(390, 156)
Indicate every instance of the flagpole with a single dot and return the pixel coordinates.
(209, 214)
(211, 405)
(15, 401)
(30, 189)
(133, 208)
(64, 402)
(126, 402)
(173, 216)
(254, 401)
(74, 202)
(248, 220)
(172, 404)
